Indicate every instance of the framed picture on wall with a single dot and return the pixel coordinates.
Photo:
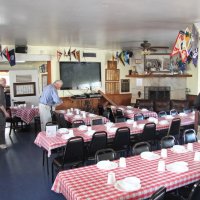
(125, 85)
(24, 89)
(44, 80)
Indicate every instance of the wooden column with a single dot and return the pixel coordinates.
(48, 72)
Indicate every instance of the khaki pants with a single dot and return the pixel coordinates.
(45, 115)
(2, 128)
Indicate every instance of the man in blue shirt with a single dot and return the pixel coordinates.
(48, 101)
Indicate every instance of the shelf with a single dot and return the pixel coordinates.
(159, 75)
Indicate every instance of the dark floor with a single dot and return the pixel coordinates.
(22, 176)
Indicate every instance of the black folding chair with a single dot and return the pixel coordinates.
(77, 123)
(189, 136)
(140, 147)
(121, 142)
(105, 154)
(73, 155)
(162, 114)
(98, 142)
(173, 112)
(174, 128)
(138, 116)
(97, 121)
(167, 142)
(62, 122)
(159, 194)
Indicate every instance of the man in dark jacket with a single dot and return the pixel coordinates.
(3, 113)
(197, 102)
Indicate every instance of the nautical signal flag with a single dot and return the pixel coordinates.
(59, 54)
(12, 57)
(6, 54)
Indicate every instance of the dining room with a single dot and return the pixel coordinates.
(99, 100)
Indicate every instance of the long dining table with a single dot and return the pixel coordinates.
(49, 143)
(87, 117)
(130, 111)
(26, 114)
(90, 182)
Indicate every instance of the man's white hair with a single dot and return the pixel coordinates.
(2, 81)
(58, 81)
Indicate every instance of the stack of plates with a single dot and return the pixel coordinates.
(163, 122)
(69, 114)
(129, 111)
(178, 167)
(62, 130)
(152, 119)
(77, 116)
(144, 110)
(169, 117)
(129, 121)
(91, 115)
(140, 126)
(107, 165)
(147, 155)
(182, 114)
(128, 184)
(82, 127)
(112, 129)
(179, 149)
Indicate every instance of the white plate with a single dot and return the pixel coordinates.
(90, 133)
(129, 121)
(169, 117)
(192, 117)
(69, 114)
(144, 110)
(66, 136)
(82, 127)
(62, 130)
(129, 107)
(107, 165)
(119, 186)
(163, 122)
(151, 119)
(140, 126)
(91, 115)
(129, 111)
(177, 167)
(77, 117)
(179, 149)
(182, 114)
(112, 129)
(147, 155)
(109, 124)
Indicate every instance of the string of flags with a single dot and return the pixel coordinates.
(186, 46)
(69, 53)
(8, 54)
(123, 57)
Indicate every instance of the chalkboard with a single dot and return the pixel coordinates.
(80, 75)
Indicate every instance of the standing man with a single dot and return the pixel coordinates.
(3, 113)
(48, 101)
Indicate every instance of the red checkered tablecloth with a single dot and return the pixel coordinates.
(50, 143)
(87, 119)
(129, 112)
(25, 114)
(91, 183)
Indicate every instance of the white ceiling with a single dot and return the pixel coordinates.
(95, 23)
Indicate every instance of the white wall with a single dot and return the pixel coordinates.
(29, 99)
